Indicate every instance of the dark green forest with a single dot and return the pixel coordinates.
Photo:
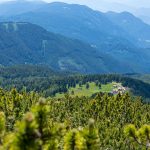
(47, 82)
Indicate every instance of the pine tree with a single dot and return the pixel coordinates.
(2, 127)
(74, 141)
(97, 83)
(27, 136)
(91, 136)
(50, 132)
(87, 85)
(141, 136)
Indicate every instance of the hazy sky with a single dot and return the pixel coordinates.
(134, 3)
(105, 5)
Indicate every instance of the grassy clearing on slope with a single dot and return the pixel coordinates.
(83, 91)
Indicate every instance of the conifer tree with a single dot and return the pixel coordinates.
(91, 136)
(87, 85)
(50, 132)
(74, 141)
(141, 136)
(27, 136)
(2, 127)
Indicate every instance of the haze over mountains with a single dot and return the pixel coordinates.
(139, 8)
(19, 6)
(112, 38)
(31, 44)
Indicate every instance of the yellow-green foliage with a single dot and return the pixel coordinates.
(139, 136)
(91, 136)
(2, 125)
(74, 141)
(28, 122)
(27, 135)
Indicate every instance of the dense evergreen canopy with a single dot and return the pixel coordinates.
(43, 80)
(28, 121)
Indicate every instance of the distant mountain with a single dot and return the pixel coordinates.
(15, 7)
(132, 25)
(78, 22)
(97, 28)
(120, 35)
(19, 6)
(25, 43)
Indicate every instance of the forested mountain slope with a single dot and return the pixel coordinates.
(25, 43)
(49, 83)
(123, 36)
(142, 77)
(133, 26)
(23, 71)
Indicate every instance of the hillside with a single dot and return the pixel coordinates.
(142, 77)
(134, 26)
(24, 71)
(25, 43)
(50, 83)
(101, 30)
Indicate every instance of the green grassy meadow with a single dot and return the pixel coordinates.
(83, 91)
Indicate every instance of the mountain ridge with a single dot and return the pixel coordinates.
(51, 49)
(102, 31)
